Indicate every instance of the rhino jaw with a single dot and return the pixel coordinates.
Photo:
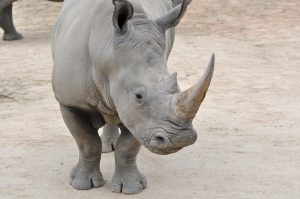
(162, 142)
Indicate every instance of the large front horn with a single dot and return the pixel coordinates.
(188, 102)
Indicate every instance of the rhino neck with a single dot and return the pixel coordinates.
(104, 103)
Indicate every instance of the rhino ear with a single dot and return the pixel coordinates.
(123, 12)
(172, 18)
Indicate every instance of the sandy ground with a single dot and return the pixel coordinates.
(248, 127)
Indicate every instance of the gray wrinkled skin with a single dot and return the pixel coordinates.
(6, 21)
(110, 69)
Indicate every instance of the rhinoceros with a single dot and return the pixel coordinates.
(110, 71)
(6, 21)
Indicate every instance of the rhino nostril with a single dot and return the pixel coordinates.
(160, 139)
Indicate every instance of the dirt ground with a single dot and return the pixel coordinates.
(248, 127)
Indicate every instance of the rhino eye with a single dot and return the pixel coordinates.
(139, 95)
(139, 98)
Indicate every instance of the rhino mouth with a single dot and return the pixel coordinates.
(165, 151)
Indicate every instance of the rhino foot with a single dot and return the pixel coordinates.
(11, 36)
(84, 179)
(128, 182)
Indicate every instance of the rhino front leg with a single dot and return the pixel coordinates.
(86, 174)
(109, 138)
(127, 178)
(6, 23)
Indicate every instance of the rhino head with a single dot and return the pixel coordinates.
(147, 98)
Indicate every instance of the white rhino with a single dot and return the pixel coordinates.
(110, 70)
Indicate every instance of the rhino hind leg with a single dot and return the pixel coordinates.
(86, 174)
(127, 178)
(6, 23)
(109, 138)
